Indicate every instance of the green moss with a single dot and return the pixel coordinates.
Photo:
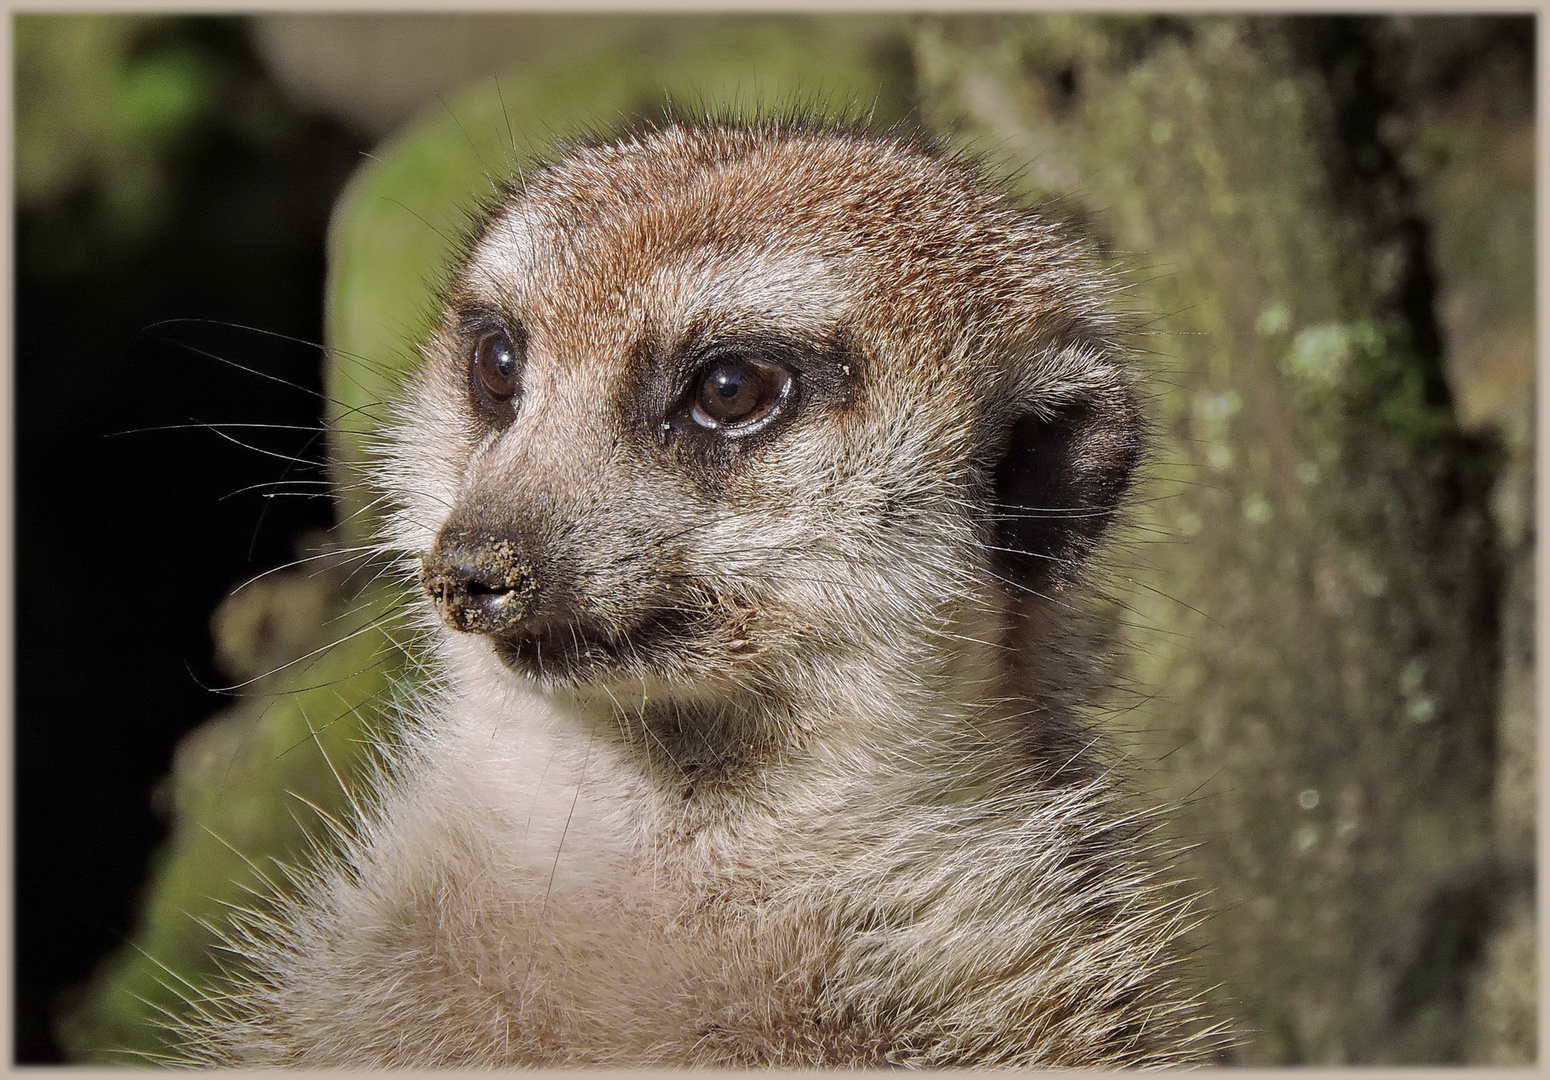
(105, 107)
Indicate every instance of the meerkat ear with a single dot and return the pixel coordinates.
(1063, 469)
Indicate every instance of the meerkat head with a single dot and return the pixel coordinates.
(712, 405)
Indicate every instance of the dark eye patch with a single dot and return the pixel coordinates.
(664, 378)
(718, 396)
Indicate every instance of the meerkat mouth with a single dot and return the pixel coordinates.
(582, 652)
(558, 650)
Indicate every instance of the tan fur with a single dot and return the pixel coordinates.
(845, 809)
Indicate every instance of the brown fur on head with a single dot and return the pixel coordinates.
(956, 430)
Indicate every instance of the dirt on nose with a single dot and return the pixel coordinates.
(481, 588)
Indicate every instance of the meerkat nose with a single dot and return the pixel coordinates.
(479, 588)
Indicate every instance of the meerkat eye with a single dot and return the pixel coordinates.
(495, 364)
(738, 393)
(495, 369)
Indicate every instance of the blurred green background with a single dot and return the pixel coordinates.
(1326, 580)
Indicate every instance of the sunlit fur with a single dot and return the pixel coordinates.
(851, 812)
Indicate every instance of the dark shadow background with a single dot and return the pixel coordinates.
(116, 572)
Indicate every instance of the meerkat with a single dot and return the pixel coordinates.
(751, 478)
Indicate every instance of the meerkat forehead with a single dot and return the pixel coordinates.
(796, 228)
(717, 289)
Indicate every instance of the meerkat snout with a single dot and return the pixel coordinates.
(479, 584)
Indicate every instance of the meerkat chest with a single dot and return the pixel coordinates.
(523, 882)
(548, 807)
